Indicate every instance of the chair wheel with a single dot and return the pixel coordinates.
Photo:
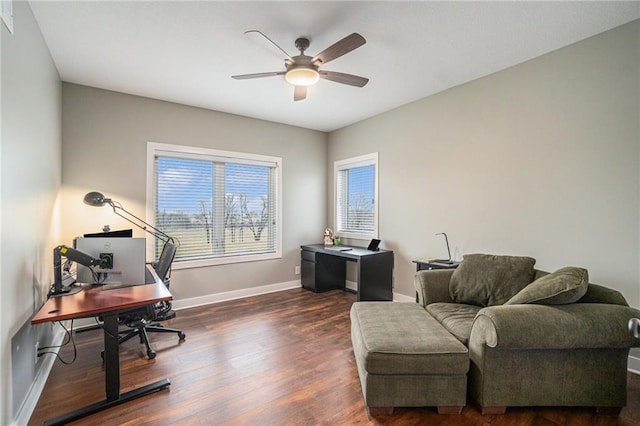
(181, 336)
(151, 354)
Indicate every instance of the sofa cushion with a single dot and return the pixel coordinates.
(600, 294)
(456, 318)
(487, 280)
(566, 285)
(402, 338)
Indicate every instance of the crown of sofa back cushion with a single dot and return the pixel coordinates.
(566, 285)
(600, 294)
(488, 280)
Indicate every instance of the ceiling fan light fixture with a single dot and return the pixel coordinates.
(302, 71)
(302, 76)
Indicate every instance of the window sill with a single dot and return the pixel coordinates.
(200, 263)
(353, 236)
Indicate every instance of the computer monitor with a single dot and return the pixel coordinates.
(128, 256)
(124, 233)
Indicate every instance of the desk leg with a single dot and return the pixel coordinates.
(111, 357)
(111, 378)
(375, 277)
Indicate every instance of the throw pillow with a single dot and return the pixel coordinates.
(487, 280)
(566, 285)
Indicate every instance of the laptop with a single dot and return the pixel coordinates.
(338, 248)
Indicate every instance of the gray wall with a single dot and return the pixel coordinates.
(105, 136)
(541, 159)
(30, 178)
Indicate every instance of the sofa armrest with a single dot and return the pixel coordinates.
(576, 325)
(432, 286)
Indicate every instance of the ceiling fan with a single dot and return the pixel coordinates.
(303, 71)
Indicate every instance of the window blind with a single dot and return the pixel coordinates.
(355, 187)
(216, 206)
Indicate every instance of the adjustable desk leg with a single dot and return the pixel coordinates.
(111, 378)
(111, 357)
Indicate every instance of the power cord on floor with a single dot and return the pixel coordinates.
(69, 339)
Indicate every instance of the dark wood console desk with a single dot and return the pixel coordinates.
(94, 301)
(325, 269)
(422, 265)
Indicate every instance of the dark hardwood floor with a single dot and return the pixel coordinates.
(279, 359)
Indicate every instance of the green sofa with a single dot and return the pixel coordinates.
(533, 338)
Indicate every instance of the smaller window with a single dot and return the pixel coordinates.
(356, 211)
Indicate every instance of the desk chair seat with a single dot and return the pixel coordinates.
(147, 321)
(141, 321)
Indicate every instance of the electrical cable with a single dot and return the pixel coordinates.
(69, 334)
(99, 277)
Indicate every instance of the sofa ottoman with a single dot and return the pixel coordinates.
(405, 358)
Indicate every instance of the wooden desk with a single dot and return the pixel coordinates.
(325, 268)
(93, 301)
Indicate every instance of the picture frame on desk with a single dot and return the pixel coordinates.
(373, 245)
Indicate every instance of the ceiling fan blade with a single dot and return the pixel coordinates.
(257, 75)
(342, 47)
(339, 77)
(259, 37)
(299, 93)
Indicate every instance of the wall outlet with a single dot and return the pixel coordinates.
(297, 270)
(35, 357)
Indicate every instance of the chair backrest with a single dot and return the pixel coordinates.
(163, 265)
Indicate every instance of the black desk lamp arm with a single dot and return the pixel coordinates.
(140, 223)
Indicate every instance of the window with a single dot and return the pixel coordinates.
(357, 197)
(220, 207)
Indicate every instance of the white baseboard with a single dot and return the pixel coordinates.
(25, 411)
(256, 291)
(351, 285)
(397, 297)
(239, 294)
(633, 363)
(232, 295)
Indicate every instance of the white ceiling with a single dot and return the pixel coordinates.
(186, 52)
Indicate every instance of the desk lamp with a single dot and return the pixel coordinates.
(448, 260)
(96, 199)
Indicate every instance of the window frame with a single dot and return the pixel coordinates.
(154, 149)
(351, 163)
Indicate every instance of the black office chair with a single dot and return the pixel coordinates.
(143, 320)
